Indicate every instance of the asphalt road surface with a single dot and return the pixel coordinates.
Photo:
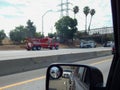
(17, 54)
(35, 80)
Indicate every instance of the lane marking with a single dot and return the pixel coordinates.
(42, 77)
(23, 82)
(106, 60)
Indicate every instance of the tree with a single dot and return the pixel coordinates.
(75, 10)
(81, 35)
(51, 35)
(2, 35)
(86, 11)
(18, 34)
(31, 29)
(92, 12)
(66, 28)
(38, 35)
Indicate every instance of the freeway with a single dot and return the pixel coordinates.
(17, 54)
(35, 80)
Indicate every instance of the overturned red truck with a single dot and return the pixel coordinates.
(38, 43)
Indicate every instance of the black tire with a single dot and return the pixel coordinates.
(34, 48)
(28, 49)
(38, 47)
(51, 48)
(57, 47)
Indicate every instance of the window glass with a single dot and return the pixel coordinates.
(73, 27)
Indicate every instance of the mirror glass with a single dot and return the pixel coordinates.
(72, 78)
(55, 72)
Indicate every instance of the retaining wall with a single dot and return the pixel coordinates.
(21, 65)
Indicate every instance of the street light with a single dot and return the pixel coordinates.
(43, 21)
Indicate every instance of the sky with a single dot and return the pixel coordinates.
(14, 13)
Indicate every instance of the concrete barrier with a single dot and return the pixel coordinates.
(21, 65)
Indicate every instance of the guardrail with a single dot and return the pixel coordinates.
(21, 65)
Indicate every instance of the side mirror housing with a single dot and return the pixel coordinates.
(73, 77)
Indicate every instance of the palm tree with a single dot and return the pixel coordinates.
(86, 11)
(75, 10)
(92, 13)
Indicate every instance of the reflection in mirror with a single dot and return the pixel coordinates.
(55, 72)
(72, 78)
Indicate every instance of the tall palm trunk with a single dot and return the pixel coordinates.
(90, 24)
(74, 16)
(92, 12)
(86, 24)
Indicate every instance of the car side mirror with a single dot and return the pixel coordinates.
(73, 77)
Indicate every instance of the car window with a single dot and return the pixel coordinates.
(83, 28)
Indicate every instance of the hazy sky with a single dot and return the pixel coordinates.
(16, 12)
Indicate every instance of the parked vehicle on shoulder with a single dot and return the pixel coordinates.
(108, 44)
(87, 44)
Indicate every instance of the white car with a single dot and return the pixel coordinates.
(87, 44)
(66, 74)
(108, 44)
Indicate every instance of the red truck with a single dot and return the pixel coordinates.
(38, 43)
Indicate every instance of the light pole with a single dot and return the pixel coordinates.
(43, 21)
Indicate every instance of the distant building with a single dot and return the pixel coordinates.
(103, 30)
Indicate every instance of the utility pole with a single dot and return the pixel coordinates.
(61, 8)
(64, 7)
(67, 8)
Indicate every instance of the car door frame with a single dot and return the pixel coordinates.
(113, 82)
